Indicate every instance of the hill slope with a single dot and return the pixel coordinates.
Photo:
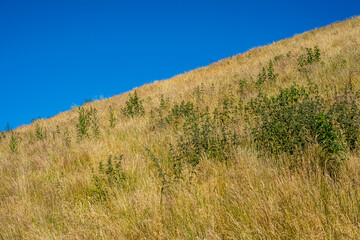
(263, 145)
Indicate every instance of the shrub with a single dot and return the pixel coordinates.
(298, 117)
(40, 132)
(112, 117)
(267, 74)
(310, 56)
(109, 175)
(67, 137)
(94, 122)
(346, 115)
(165, 182)
(87, 118)
(15, 140)
(286, 122)
(271, 75)
(178, 112)
(84, 121)
(134, 106)
(331, 147)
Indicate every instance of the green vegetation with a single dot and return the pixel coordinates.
(87, 118)
(309, 57)
(134, 106)
(109, 175)
(15, 140)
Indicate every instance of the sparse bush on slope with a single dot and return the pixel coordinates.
(134, 106)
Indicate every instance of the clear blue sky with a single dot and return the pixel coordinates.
(57, 53)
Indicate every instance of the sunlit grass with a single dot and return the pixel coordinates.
(48, 191)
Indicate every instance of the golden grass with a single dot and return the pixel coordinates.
(45, 190)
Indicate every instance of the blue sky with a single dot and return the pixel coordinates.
(54, 54)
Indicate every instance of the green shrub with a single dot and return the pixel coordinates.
(109, 175)
(203, 133)
(271, 75)
(165, 182)
(87, 118)
(94, 122)
(267, 74)
(298, 117)
(178, 112)
(40, 132)
(284, 123)
(310, 56)
(112, 117)
(84, 121)
(134, 106)
(346, 115)
(261, 77)
(332, 149)
(15, 140)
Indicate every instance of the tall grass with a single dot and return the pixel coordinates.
(257, 146)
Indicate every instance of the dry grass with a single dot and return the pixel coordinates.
(46, 187)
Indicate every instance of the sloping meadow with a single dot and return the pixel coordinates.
(262, 145)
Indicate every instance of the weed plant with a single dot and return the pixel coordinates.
(15, 140)
(134, 106)
(109, 175)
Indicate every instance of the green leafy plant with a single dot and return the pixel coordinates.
(94, 122)
(310, 56)
(165, 183)
(271, 75)
(134, 106)
(109, 175)
(298, 117)
(332, 148)
(345, 113)
(87, 118)
(267, 74)
(40, 132)
(15, 140)
(84, 121)
(112, 117)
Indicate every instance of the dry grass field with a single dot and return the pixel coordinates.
(262, 145)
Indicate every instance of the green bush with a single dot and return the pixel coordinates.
(112, 117)
(15, 140)
(267, 74)
(310, 56)
(84, 121)
(94, 122)
(134, 106)
(40, 132)
(298, 117)
(87, 118)
(332, 148)
(346, 115)
(109, 175)
(286, 122)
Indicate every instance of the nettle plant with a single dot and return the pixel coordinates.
(311, 56)
(87, 118)
(108, 176)
(112, 117)
(134, 106)
(267, 74)
(14, 143)
(40, 132)
(298, 117)
(199, 133)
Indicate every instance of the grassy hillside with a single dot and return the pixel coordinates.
(262, 145)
